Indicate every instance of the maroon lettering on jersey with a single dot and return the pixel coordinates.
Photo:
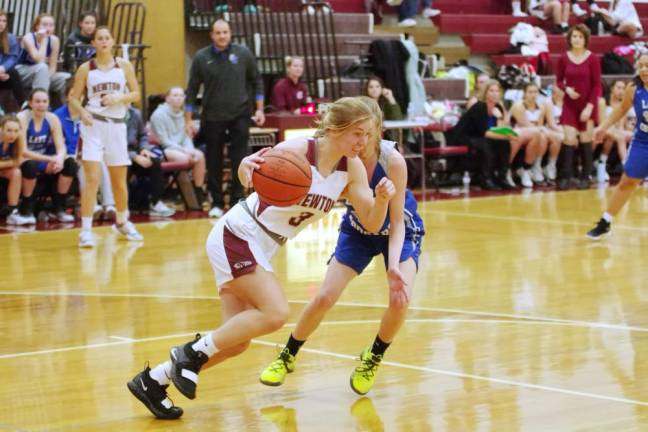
(319, 202)
(107, 87)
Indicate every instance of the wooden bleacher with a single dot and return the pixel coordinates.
(484, 27)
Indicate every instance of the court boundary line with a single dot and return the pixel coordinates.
(591, 324)
(350, 357)
(525, 219)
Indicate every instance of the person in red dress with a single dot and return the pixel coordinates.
(290, 94)
(578, 74)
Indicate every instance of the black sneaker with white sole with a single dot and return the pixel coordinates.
(601, 229)
(185, 366)
(153, 395)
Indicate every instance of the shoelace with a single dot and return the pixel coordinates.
(281, 361)
(369, 366)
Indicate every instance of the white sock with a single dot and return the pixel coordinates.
(516, 7)
(537, 162)
(121, 218)
(564, 25)
(607, 217)
(162, 373)
(206, 345)
(603, 158)
(86, 223)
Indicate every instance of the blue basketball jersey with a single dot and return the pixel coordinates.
(26, 59)
(40, 141)
(641, 108)
(6, 153)
(413, 222)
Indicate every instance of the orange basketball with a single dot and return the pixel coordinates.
(283, 179)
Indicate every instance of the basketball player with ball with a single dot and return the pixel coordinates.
(399, 242)
(242, 243)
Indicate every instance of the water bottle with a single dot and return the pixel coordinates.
(466, 179)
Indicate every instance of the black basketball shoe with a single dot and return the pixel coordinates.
(185, 365)
(601, 229)
(153, 396)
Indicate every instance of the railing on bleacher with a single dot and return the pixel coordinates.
(274, 29)
(66, 13)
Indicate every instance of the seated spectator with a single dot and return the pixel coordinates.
(77, 47)
(622, 17)
(618, 134)
(516, 6)
(46, 153)
(555, 10)
(289, 93)
(375, 89)
(39, 56)
(577, 10)
(168, 124)
(12, 147)
(527, 116)
(492, 149)
(407, 11)
(482, 79)
(553, 131)
(70, 123)
(146, 162)
(9, 52)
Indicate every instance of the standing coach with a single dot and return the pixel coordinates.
(232, 85)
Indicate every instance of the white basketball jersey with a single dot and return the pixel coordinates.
(105, 82)
(321, 197)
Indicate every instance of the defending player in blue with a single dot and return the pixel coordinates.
(636, 166)
(399, 241)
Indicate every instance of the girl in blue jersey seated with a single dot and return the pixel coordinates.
(636, 165)
(399, 242)
(47, 154)
(12, 147)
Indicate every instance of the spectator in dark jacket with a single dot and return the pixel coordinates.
(231, 84)
(77, 47)
(146, 162)
(9, 51)
(492, 149)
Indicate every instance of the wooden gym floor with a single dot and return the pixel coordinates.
(517, 323)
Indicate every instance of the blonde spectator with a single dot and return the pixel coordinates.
(168, 124)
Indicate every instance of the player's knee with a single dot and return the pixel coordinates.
(92, 178)
(626, 184)
(70, 168)
(324, 301)
(399, 306)
(276, 318)
(41, 68)
(29, 169)
(15, 174)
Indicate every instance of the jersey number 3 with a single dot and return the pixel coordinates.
(297, 220)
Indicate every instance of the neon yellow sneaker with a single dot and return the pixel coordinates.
(275, 373)
(363, 376)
